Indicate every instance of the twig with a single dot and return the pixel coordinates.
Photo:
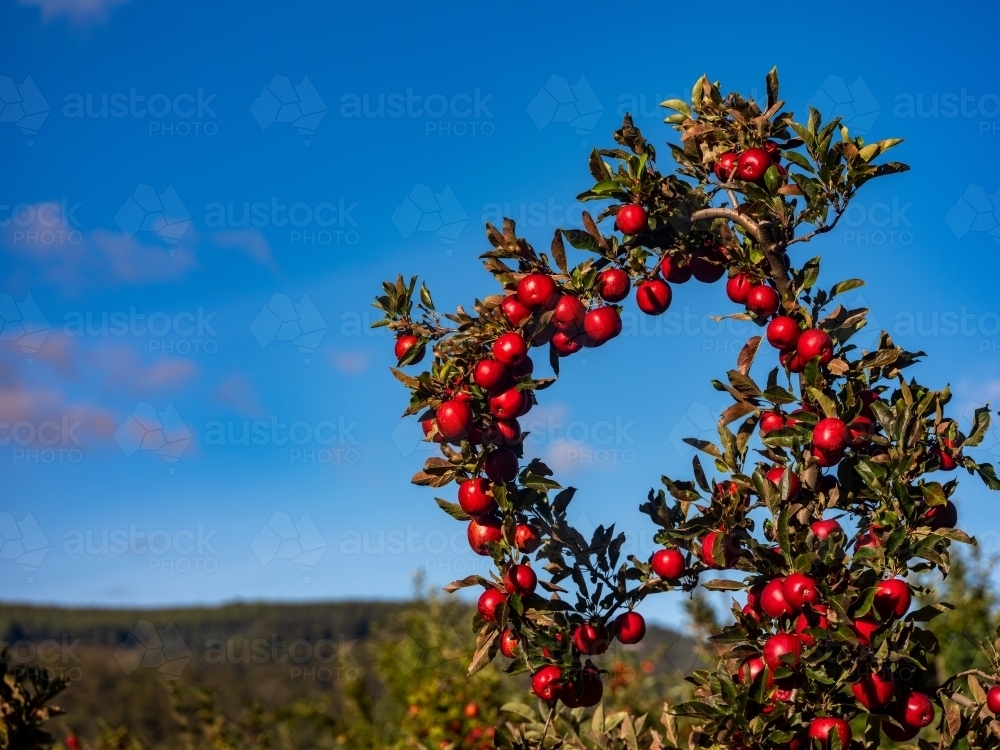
(545, 729)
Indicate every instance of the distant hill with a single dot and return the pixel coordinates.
(269, 653)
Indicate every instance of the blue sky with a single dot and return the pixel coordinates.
(196, 215)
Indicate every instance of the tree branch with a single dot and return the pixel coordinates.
(778, 271)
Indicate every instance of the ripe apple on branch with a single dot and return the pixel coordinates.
(825, 650)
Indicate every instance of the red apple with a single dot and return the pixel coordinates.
(602, 324)
(783, 332)
(864, 628)
(762, 301)
(777, 473)
(585, 692)
(632, 219)
(513, 310)
(527, 538)
(404, 344)
(778, 647)
(875, 690)
(535, 290)
(752, 164)
(509, 641)
(892, 598)
(565, 344)
(484, 531)
(568, 314)
(942, 516)
(668, 564)
(490, 601)
(501, 465)
(490, 374)
(520, 580)
(823, 528)
(749, 670)
(653, 297)
(868, 539)
(830, 435)
(816, 619)
(772, 599)
(730, 550)
(915, 709)
(947, 456)
(504, 432)
(815, 343)
(676, 268)
(522, 368)
(708, 263)
(510, 349)
(773, 152)
(725, 166)
(630, 627)
(613, 284)
(454, 418)
(545, 683)
(771, 421)
(993, 699)
(738, 287)
(821, 729)
(475, 498)
(861, 429)
(507, 404)
(591, 640)
(799, 589)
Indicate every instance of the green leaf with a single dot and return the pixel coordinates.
(581, 240)
(678, 105)
(453, 510)
(425, 296)
(845, 286)
(772, 87)
(721, 584)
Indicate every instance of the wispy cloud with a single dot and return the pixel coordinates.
(78, 11)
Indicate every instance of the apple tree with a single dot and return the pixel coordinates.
(831, 498)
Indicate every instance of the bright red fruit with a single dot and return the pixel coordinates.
(483, 532)
(799, 589)
(630, 627)
(875, 690)
(708, 264)
(568, 315)
(475, 498)
(868, 539)
(821, 729)
(535, 290)
(668, 564)
(676, 268)
(613, 284)
(632, 218)
(915, 710)
(489, 602)
(567, 343)
(507, 404)
(816, 619)
(830, 435)
(602, 324)
(545, 683)
(948, 456)
(864, 628)
(823, 529)
(892, 598)
(942, 516)
(508, 643)
(738, 287)
(510, 349)
(730, 552)
(827, 458)
(762, 301)
(501, 465)
(404, 344)
(585, 692)
(752, 164)
(775, 476)
(779, 646)
(490, 374)
(771, 421)
(783, 332)
(861, 428)
(527, 538)
(749, 670)
(513, 310)
(815, 343)
(772, 599)
(454, 419)
(653, 297)
(504, 432)
(993, 699)
(427, 425)
(725, 165)
(520, 580)
(590, 639)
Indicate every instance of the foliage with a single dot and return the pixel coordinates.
(864, 439)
